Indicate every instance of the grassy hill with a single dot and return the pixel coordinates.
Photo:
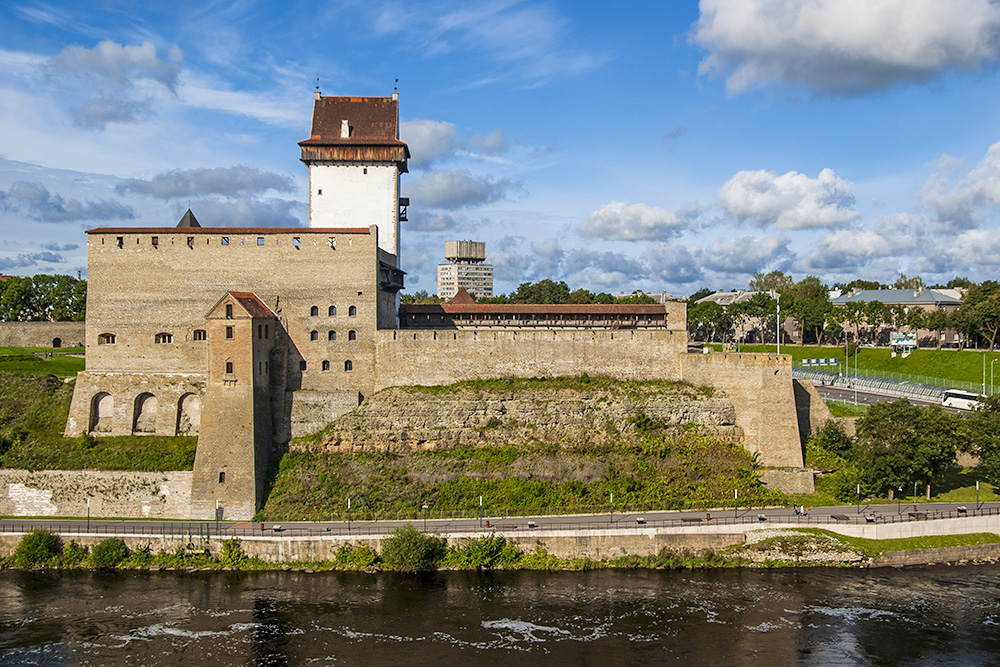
(41, 361)
(965, 365)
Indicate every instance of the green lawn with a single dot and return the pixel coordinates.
(966, 365)
(845, 409)
(874, 548)
(23, 361)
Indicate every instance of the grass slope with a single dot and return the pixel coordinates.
(33, 411)
(23, 361)
(966, 365)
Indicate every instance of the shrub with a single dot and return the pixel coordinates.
(354, 557)
(487, 552)
(408, 550)
(36, 548)
(73, 553)
(232, 554)
(108, 553)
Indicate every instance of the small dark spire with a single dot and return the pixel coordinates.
(188, 220)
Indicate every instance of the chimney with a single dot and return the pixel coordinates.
(317, 95)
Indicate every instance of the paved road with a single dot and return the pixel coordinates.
(905, 510)
(870, 398)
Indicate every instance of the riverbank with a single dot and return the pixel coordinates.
(536, 550)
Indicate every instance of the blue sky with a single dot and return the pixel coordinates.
(616, 146)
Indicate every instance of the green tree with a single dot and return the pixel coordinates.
(36, 548)
(408, 550)
(773, 280)
(899, 443)
(420, 297)
(903, 282)
(938, 321)
(983, 435)
(981, 309)
(544, 291)
(811, 306)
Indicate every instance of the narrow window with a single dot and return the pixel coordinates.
(296, 242)
(229, 332)
(163, 338)
(267, 331)
(229, 311)
(352, 311)
(348, 366)
(365, 170)
(331, 335)
(106, 339)
(352, 335)
(225, 240)
(156, 241)
(326, 365)
(320, 191)
(314, 335)
(332, 242)
(302, 365)
(200, 334)
(121, 241)
(222, 478)
(314, 311)
(260, 331)
(190, 241)
(229, 368)
(332, 311)
(260, 240)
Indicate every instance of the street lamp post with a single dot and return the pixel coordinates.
(859, 499)
(777, 326)
(612, 515)
(914, 494)
(88, 509)
(425, 508)
(977, 495)
(348, 515)
(991, 375)
(217, 518)
(899, 498)
(736, 503)
(857, 351)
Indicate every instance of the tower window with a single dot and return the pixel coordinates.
(121, 241)
(314, 311)
(229, 311)
(267, 331)
(302, 365)
(190, 241)
(320, 191)
(156, 241)
(332, 311)
(260, 240)
(331, 335)
(352, 311)
(352, 335)
(222, 478)
(163, 338)
(229, 368)
(225, 240)
(348, 366)
(326, 365)
(229, 332)
(296, 241)
(106, 339)
(314, 335)
(200, 334)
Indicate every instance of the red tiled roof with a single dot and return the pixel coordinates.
(462, 296)
(229, 230)
(534, 309)
(372, 121)
(252, 304)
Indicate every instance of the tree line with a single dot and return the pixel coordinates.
(898, 446)
(43, 298)
(819, 321)
(543, 291)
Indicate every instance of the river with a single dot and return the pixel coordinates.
(815, 616)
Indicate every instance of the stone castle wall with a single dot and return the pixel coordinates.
(42, 334)
(118, 494)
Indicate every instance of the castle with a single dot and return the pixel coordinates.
(248, 336)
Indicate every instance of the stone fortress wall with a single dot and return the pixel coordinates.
(42, 334)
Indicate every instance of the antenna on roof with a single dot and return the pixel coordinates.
(317, 84)
(395, 86)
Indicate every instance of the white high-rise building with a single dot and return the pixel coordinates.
(467, 269)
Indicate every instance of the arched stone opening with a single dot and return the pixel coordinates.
(189, 415)
(144, 420)
(102, 406)
(57, 342)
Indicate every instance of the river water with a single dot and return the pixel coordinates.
(816, 616)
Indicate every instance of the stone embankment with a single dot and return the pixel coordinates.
(402, 419)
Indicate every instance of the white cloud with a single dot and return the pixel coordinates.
(228, 181)
(430, 221)
(973, 199)
(673, 264)
(428, 140)
(744, 254)
(40, 204)
(246, 213)
(621, 221)
(459, 189)
(844, 47)
(789, 201)
(123, 65)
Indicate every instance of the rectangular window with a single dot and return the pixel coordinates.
(225, 240)
(121, 241)
(156, 241)
(229, 368)
(190, 241)
(296, 241)
(229, 332)
(200, 334)
(260, 240)
(229, 311)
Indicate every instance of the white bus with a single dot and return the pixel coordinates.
(963, 400)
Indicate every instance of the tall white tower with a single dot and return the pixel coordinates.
(355, 158)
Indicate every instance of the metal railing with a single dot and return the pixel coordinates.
(943, 383)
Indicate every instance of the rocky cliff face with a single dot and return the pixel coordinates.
(407, 419)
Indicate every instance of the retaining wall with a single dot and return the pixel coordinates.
(42, 334)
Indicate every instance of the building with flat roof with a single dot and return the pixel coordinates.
(467, 270)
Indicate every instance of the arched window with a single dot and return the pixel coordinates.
(352, 311)
(314, 311)
(163, 338)
(106, 339)
(260, 331)
(267, 331)
(102, 407)
(326, 365)
(200, 334)
(352, 335)
(144, 415)
(331, 335)
(313, 335)
(348, 366)
(333, 311)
